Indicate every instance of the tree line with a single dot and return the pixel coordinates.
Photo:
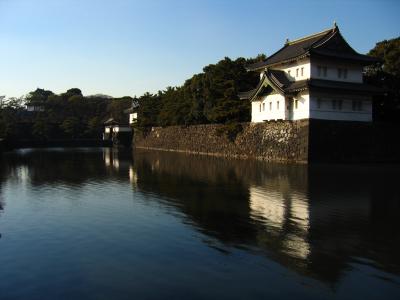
(68, 115)
(207, 97)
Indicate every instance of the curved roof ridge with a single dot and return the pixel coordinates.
(311, 36)
(321, 42)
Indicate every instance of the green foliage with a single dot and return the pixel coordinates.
(41, 129)
(67, 115)
(388, 51)
(208, 97)
(94, 127)
(71, 126)
(9, 116)
(386, 74)
(38, 96)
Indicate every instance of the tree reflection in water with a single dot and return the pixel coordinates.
(316, 220)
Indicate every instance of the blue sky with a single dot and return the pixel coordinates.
(128, 47)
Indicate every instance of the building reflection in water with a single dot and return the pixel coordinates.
(316, 220)
(276, 210)
(120, 161)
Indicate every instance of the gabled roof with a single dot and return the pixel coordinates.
(278, 81)
(328, 43)
(134, 107)
(111, 121)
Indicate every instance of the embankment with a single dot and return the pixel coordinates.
(275, 141)
(289, 141)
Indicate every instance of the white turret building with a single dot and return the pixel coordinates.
(315, 77)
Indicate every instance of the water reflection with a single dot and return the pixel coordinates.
(315, 220)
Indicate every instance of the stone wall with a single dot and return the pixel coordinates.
(290, 141)
(275, 141)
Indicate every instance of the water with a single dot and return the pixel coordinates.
(102, 224)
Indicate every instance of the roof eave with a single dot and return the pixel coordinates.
(289, 60)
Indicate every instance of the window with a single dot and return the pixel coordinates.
(277, 105)
(297, 72)
(260, 107)
(333, 104)
(342, 73)
(263, 106)
(296, 104)
(270, 106)
(319, 68)
(319, 100)
(357, 105)
(322, 71)
(339, 104)
(302, 71)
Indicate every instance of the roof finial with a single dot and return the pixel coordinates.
(287, 41)
(334, 24)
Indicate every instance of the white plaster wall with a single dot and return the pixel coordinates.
(266, 113)
(303, 108)
(305, 64)
(121, 129)
(346, 113)
(354, 72)
(132, 118)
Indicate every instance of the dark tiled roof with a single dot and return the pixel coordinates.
(112, 121)
(279, 78)
(345, 86)
(130, 110)
(279, 82)
(282, 83)
(248, 94)
(326, 43)
(296, 86)
(344, 56)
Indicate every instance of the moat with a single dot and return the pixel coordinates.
(107, 224)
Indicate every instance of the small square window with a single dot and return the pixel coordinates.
(360, 105)
(270, 106)
(354, 105)
(302, 71)
(297, 72)
(339, 73)
(263, 106)
(260, 107)
(319, 100)
(340, 104)
(277, 105)
(345, 73)
(319, 68)
(325, 71)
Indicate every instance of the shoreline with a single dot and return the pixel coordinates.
(66, 143)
